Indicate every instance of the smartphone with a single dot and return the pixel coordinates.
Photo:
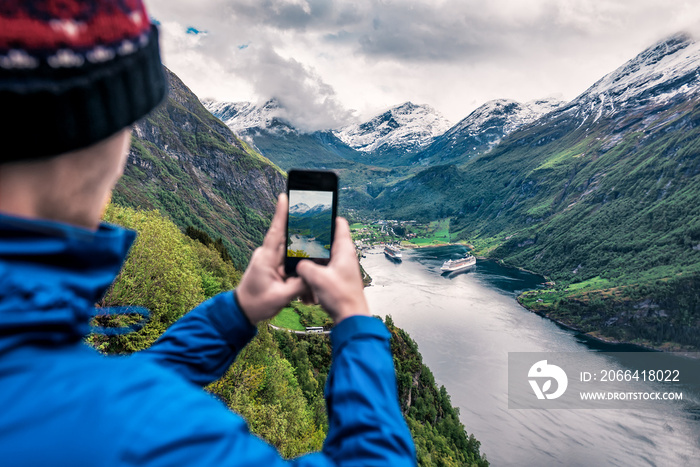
(313, 205)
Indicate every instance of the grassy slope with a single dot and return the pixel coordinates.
(288, 319)
(436, 232)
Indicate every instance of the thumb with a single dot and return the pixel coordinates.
(293, 287)
(311, 272)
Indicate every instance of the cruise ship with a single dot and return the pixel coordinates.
(392, 252)
(458, 264)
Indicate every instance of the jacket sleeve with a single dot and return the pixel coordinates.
(366, 427)
(201, 345)
(365, 424)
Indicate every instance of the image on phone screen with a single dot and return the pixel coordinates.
(310, 223)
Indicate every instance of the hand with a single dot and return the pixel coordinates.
(337, 286)
(264, 289)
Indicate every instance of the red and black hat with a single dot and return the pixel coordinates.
(74, 72)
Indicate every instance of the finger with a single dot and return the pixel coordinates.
(275, 235)
(311, 273)
(342, 243)
(293, 288)
(309, 298)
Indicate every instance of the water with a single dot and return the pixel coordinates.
(314, 248)
(465, 324)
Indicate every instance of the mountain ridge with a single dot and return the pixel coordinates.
(303, 208)
(660, 76)
(406, 127)
(483, 129)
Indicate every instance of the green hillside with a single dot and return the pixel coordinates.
(303, 150)
(610, 207)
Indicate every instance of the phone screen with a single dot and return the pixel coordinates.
(310, 224)
(313, 201)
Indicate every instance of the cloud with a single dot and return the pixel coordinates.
(232, 54)
(304, 15)
(307, 101)
(447, 30)
(321, 57)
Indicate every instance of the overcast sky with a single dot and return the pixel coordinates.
(331, 62)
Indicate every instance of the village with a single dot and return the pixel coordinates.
(407, 234)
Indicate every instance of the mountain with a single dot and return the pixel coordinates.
(245, 117)
(315, 222)
(484, 128)
(600, 195)
(303, 209)
(275, 138)
(299, 208)
(403, 129)
(664, 75)
(264, 128)
(189, 165)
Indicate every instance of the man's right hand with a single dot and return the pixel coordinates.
(338, 286)
(264, 289)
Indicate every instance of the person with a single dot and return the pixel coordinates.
(74, 75)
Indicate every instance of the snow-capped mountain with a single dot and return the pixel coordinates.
(304, 210)
(406, 127)
(666, 73)
(654, 96)
(266, 130)
(502, 115)
(299, 208)
(245, 118)
(401, 130)
(484, 128)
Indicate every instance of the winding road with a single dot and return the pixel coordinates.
(277, 328)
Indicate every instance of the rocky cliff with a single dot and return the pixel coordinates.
(189, 165)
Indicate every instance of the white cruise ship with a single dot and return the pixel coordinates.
(392, 252)
(458, 264)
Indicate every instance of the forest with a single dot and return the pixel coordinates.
(277, 381)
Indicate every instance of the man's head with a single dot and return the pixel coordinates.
(74, 74)
(72, 188)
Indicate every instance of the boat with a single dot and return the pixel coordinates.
(458, 264)
(392, 252)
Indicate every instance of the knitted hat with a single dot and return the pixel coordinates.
(73, 72)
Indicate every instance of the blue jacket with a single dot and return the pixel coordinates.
(64, 404)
